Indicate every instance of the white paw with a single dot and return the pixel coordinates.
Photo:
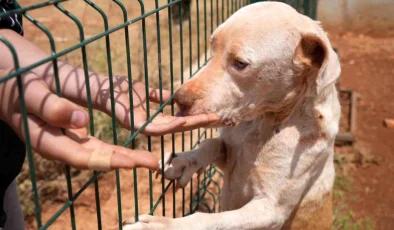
(148, 222)
(180, 167)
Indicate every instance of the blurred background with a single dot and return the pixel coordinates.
(362, 33)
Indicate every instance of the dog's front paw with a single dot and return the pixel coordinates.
(180, 167)
(148, 222)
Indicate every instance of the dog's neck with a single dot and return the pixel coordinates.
(307, 109)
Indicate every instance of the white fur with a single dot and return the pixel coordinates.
(269, 167)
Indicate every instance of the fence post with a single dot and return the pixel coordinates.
(309, 6)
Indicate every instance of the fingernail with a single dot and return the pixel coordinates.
(78, 118)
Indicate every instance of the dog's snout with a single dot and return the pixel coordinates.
(183, 100)
(186, 96)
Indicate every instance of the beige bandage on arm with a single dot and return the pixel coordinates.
(100, 160)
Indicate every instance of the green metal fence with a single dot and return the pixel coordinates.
(193, 33)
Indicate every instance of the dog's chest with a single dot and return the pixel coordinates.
(258, 161)
(251, 145)
(267, 161)
(246, 170)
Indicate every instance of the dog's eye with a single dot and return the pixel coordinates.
(239, 65)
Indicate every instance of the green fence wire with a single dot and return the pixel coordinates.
(210, 13)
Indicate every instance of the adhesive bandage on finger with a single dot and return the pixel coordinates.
(100, 160)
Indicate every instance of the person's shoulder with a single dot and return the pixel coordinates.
(9, 4)
(13, 21)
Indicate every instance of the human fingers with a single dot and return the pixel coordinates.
(54, 110)
(80, 152)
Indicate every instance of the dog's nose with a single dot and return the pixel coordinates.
(186, 96)
(183, 99)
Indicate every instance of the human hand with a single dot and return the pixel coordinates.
(47, 114)
(73, 86)
(161, 124)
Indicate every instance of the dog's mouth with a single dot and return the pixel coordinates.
(224, 122)
(180, 114)
(196, 108)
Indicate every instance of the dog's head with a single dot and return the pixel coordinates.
(265, 58)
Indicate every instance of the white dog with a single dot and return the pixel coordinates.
(272, 78)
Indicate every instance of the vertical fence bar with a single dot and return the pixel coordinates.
(198, 177)
(222, 11)
(198, 33)
(314, 9)
(142, 6)
(172, 92)
(163, 203)
(228, 8)
(70, 194)
(182, 76)
(205, 170)
(307, 7)
(205, 31)
(199, 66)
(190, 75)
(212, 19)
(217, 13)
(130, 80)
(205, 43)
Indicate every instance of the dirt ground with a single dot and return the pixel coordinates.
(367, 67)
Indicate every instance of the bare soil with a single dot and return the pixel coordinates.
(367, 67)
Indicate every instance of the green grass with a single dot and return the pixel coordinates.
(344, 219)
(344, 216)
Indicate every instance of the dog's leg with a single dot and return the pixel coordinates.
(257, 214)
(182, 166)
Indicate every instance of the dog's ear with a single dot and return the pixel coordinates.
(316, 60)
